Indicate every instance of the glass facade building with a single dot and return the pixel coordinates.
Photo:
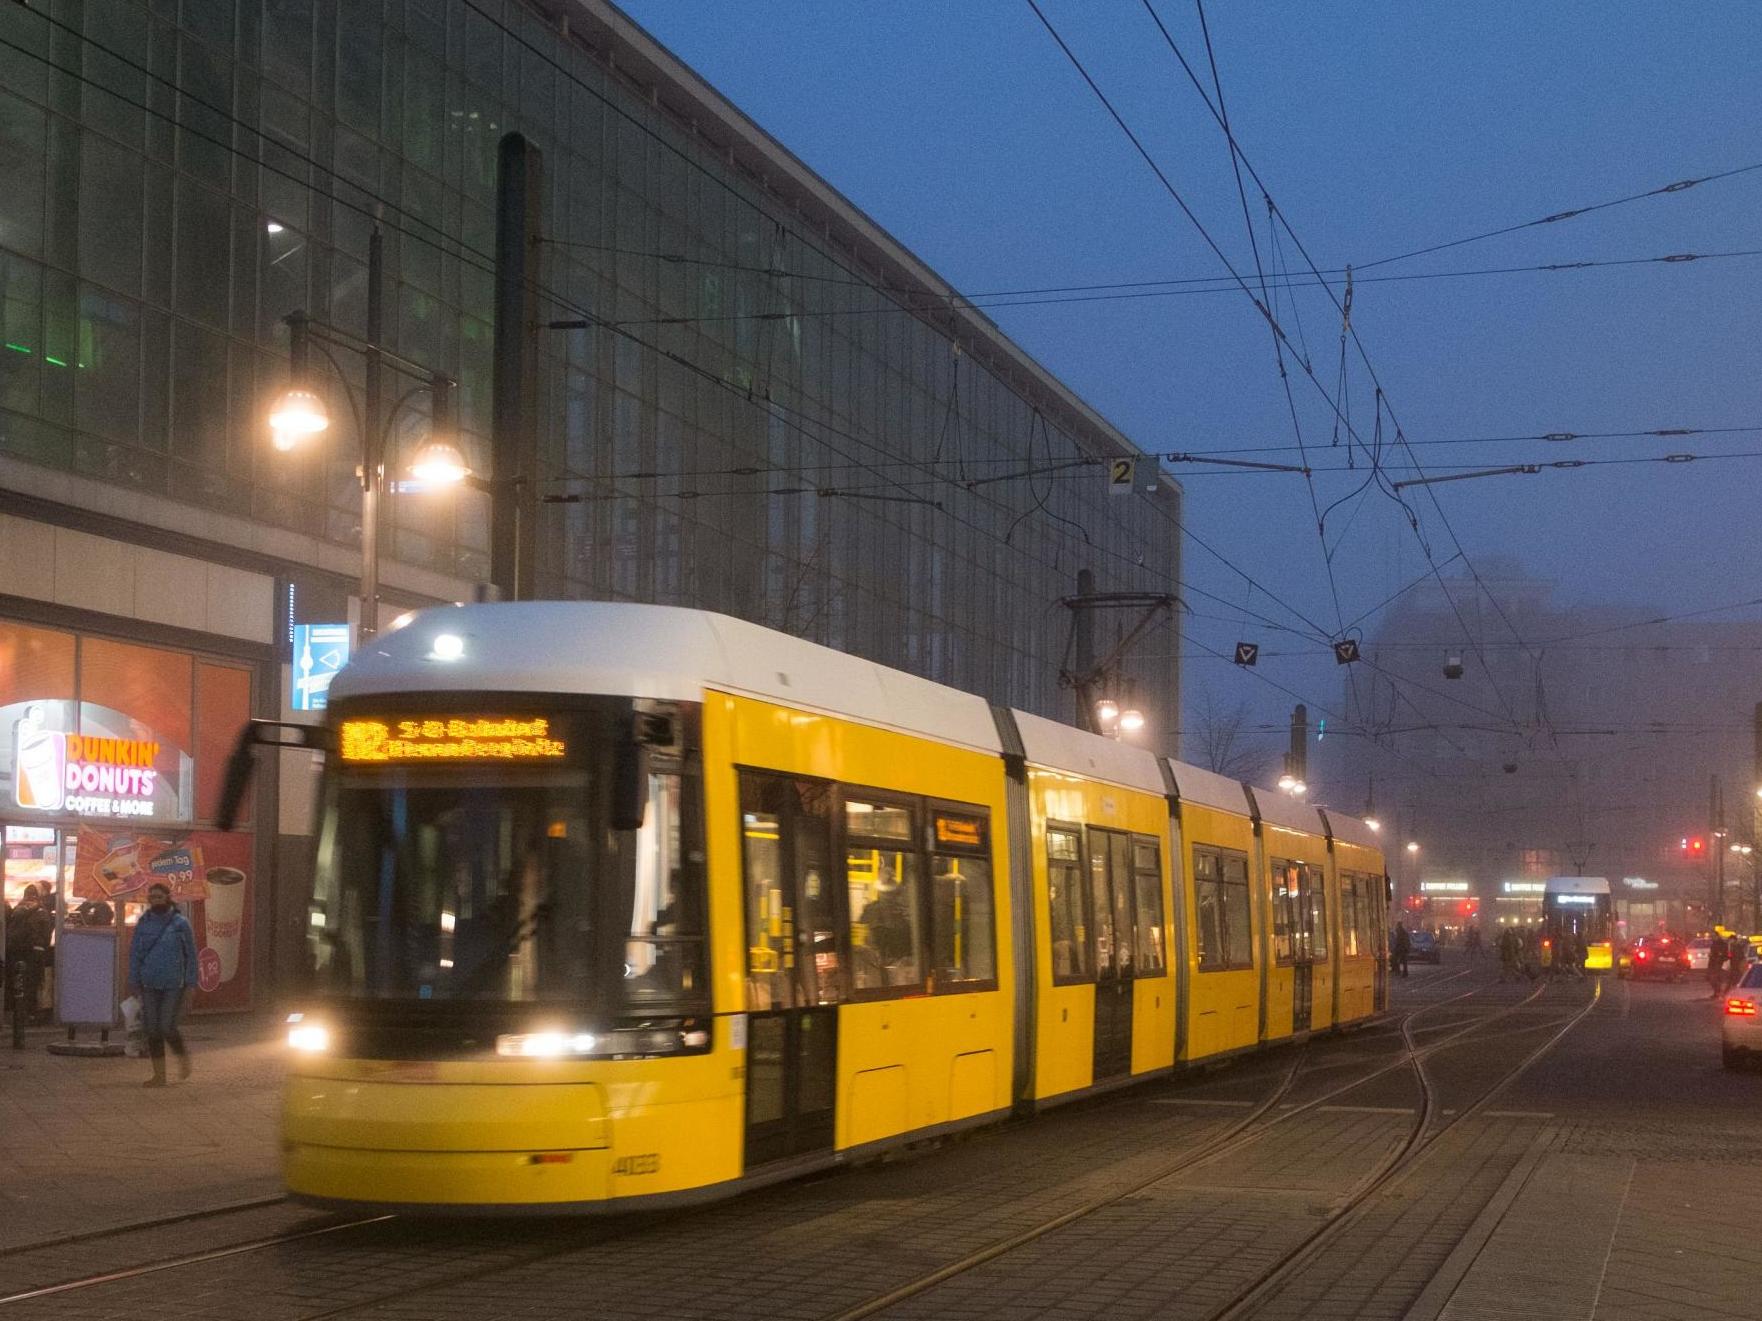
(776, 412)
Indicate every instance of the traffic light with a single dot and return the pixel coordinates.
(1694, 846)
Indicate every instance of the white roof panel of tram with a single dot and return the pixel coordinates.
(1350, 830)
(663, 652)
(1195, 784)
(1066, 748)
(1280, 809)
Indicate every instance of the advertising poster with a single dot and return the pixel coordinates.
(209, 876)
(223, 919)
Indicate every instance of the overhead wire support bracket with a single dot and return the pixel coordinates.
(1237, 463)
(1484, 472)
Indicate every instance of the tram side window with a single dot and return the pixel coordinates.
(961, 927)
(882, 876)
(1348, 914)
(790, 904)
(1147, 881)
(663, 957)
(1287, 885)
(1065, 893)
(1373, 909)
(1220, 884)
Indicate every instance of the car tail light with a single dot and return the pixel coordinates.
(1741, 1008)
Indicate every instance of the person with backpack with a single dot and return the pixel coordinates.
(162, 970)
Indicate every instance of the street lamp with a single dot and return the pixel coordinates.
(1413, 846)
(299, 414)
(1372, 824)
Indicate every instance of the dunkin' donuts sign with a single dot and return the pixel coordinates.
(83, 774)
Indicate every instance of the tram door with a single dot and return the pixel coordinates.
(1303, 918)
(794, 978)
(1110, 900)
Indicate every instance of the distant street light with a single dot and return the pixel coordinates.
(1131, 720)
(1372, 824)
(1413, 846)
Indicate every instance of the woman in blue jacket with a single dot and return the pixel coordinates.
(161, 968)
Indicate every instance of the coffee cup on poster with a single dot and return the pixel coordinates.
(224, 914)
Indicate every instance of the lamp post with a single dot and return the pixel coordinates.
(299, 414)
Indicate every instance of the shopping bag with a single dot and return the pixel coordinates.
(135, 1042)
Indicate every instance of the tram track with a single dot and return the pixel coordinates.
(1240, 1134)
(1421, 1140)
(139, 1227)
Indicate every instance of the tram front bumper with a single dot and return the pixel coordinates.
(445, 1144)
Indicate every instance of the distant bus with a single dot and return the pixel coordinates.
(1582, 905)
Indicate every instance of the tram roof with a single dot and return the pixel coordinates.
(667, 653)
(1281, 810)
(1067, 748)
(1195, 784)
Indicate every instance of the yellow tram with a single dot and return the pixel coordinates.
(618, 905)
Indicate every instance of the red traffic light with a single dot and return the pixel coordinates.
(1694, 845)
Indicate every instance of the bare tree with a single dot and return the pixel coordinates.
(1224, 744)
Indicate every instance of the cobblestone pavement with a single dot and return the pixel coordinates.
(1612, 1179)
(84, 1148)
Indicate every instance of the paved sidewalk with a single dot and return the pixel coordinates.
(84, 1147)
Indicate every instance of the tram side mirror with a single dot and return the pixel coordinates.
(241, 765)
(630, 784)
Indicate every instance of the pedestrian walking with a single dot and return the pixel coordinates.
(162, 970)
(1472, 943)
(1510, 955)
(1716, 952)
(29, 929)
(1399, 948)
(1737, 958)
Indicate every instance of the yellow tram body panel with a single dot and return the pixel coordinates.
(1357, 994)
(511, 1132)
(1281, 844)
(1064, 1033)
(1223, 1005)
(904, 1064)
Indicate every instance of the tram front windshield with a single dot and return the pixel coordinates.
(1587, 916)
(505, 883)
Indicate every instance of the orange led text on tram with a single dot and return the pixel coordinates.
(450, 738)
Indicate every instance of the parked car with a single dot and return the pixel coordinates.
(1741, 1035)
(1423, 948)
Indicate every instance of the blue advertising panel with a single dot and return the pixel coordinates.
(320, 650)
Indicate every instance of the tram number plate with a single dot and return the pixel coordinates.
(648, 1163)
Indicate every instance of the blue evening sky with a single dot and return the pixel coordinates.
(1379, 127)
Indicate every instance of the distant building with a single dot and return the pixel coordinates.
(1576, 739)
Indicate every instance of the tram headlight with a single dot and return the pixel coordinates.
(688, 1036)
(308, 1038)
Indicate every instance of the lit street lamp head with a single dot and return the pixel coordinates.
(1107, 711)
(439, 463)
(1413, 846)
(297, 414)
(1131, 720)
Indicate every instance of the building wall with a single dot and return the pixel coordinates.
(181, 176)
